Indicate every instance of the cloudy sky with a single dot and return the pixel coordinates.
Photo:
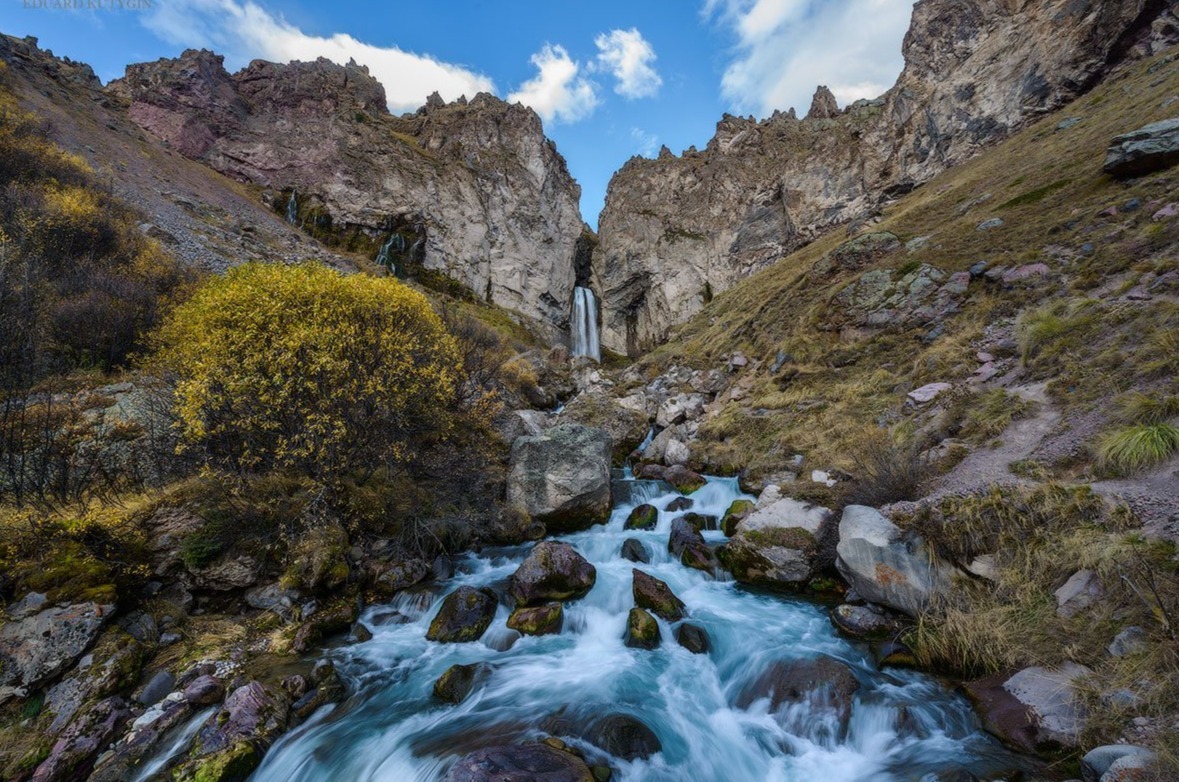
(610, 78)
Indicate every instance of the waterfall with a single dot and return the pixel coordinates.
(584, 326)
(384, 259)
(293, 209)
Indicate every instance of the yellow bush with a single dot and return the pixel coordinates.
(303, 367)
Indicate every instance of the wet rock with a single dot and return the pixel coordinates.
(824, 683)
(642, 517)
(683, 535)
(156, 689)
(701, 521)
(777, 545)
(642, 631)
(627, 492)
(864, 622)
(737, 512)
(520, 763)
(39, 647)
(464, 616)
(393, 577)
(886, 566)
(123, 761)
(1150, 148)
(1081, 591)
(562, 478)
(232, 742)
(456, 683)
(361, 633)
(1098, 761)
(204, 691)
(635, 550)
(894, 654)
(541, 620)
(699, 557)
(1131, 641)
(694, 639)
(654, 595)
(551, 571)
(624, 736)
(1036, 710)
(680, 504)
(335, 619)
(74, 752)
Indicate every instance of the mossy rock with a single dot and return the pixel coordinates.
(738, 511)
(642, 517)
(782, 537)
(656, 596)
(699, 558)
(456, 683)
(234, 764)
(642, 631)
(464, 616)
(542, 620)
(68, 573)
(700, 521)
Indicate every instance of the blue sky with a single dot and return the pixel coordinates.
(610, 78)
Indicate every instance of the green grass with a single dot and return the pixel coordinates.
(1137, 407)
(1137, 448)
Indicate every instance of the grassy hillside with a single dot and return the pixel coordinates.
(1075, 326)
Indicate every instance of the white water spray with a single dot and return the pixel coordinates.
(293, 209)
(584, 325)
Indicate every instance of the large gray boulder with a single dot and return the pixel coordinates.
(1037, 709)
(1152, 147)
(551, 571)
(562, 477)
(778, 545)
(885, 565)
(522, 763)
(42, 646)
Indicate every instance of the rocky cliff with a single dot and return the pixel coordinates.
(678, 229)
(472, 190)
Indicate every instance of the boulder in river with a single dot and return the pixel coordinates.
(738, 511)
(823, 682)
(520, 763)
(232, 742)
(457, 681)
(624, 736)
(866, 622)
(551, 571)
(778, 545)
(562, 477)
(635, 550)
(539, 620)
(679, 504)
(642, 631)
(656, 596)
(642, 517)
(885, 565)
(465, 615)
(694, 639)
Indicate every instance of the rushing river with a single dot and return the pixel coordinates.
(904, 725)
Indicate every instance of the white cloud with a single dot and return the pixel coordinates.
(785, 48)
(628, 56)
(558, 92)
(244, 31)
(647, 144)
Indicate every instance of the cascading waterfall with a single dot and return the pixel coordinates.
(903, 726)
(584, 324)
(293, 209)
(383, 258)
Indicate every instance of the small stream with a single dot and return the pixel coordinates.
(904, 725)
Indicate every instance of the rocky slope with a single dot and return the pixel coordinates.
(472, 190)
(677, 230)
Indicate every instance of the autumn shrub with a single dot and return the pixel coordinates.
(308, 369)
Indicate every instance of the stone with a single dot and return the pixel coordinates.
(1150, 148)
(928, 393)
(540, 620)
(273, 597)
(990, 224)
(1035, 710)
(1028, 273)
(642, 517)
(886, 566)
(464, 616)
(823, 105)
(635, 550)
(1099, 760)
(520, 763)
(457, 681)
(1166, 213)
(864, 622)
(39, 647)
(676, 453)
(231, 744)
(679, 504)
(683, 535)
(156, 689)
(624, 736)
(777, 545)
(30, 604)
(141, 626)
(1136, 767)
(824, 684)
(684, 480)
(680, 408)
(1129, 642)
(228, 572)
(642, 631)
(694, 639)
(562, 478)
(78, 746)
(654, 595)
(1081, 591)
(628, 492)
(551, 571)
(205, 691)
(360, 633)
(737, 512)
